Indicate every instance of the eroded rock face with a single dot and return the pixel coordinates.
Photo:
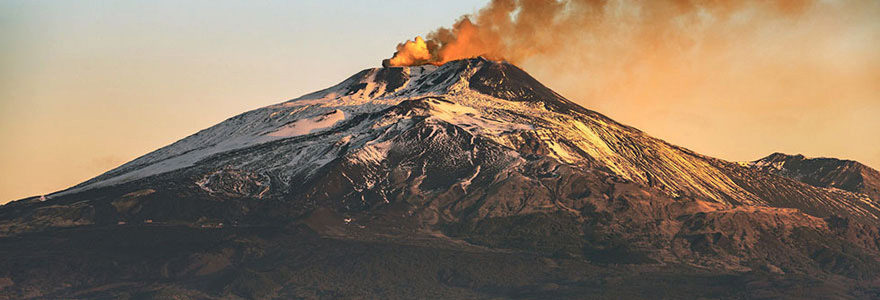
(235, 183)
(824, 172)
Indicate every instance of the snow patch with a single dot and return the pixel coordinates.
(472, 119)
(376, 152)
(310, 125)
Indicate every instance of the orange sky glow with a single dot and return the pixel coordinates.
(85, 87)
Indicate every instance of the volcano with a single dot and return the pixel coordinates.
(465, 180)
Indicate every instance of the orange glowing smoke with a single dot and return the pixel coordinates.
(410, 53)
(515, 30)
(465, 40)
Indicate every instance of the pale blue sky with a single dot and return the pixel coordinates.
(87, 85)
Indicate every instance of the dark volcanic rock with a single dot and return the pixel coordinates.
(846, 175)
(467, 180)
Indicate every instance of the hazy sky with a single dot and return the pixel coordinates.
(88, 85)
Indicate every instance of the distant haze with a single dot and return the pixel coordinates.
(86, 86)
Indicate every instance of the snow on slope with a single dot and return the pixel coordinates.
(309, 114)
(496, 101)
(576, 136)
(309, 125)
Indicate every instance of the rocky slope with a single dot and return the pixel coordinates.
(362, 120)
(823, 172)
(480, 171)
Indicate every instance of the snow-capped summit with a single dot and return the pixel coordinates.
(364, 119)
(475, 157)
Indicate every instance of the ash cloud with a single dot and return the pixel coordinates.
(516, 30)
(782, 74)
